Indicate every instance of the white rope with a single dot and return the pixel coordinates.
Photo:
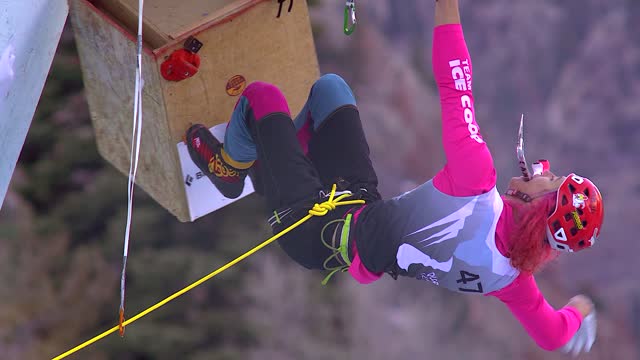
(135, 150)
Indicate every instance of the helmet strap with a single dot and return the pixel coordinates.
(520, 195)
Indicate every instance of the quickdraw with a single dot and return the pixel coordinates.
(349, 14)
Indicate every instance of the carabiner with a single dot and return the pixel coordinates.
(349, 12)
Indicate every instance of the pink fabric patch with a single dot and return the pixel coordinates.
(360, 273)
(304, 135)
(357, 269)
(265, 99)
(505, 224)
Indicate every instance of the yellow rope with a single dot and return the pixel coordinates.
(317, 210)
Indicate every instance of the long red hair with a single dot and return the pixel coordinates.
(528, 248)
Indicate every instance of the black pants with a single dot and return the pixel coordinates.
(289, 178)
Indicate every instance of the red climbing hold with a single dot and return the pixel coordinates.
(181, 64)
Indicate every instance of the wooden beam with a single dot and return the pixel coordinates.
(167, 20)
(127, 17)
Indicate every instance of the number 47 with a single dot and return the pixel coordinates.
(467, 277)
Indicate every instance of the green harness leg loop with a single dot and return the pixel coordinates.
(344, 240)
(342, 249)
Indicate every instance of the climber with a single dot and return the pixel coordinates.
(455, 230)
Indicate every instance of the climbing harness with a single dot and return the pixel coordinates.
(341, 252)
(349, 17)
(317, 210)
(286, 216)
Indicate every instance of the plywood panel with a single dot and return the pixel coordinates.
(252, 43)
(256, 45)
(108, 64)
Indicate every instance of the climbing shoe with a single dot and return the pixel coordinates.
(208, 154)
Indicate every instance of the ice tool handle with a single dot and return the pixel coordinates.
(349, 17)
(520, 152)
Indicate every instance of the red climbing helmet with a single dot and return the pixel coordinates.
(577, 219)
